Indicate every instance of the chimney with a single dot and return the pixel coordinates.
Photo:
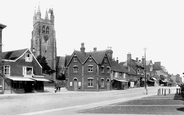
(137, 59)
(117, 60)
(129, 56)
(94, 49)
(82, 48)
(109, 52)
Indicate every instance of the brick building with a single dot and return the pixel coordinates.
(89, 70)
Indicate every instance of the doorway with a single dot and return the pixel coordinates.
(75, 84)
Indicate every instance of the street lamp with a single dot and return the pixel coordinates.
(145, 79)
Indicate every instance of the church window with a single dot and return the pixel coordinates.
(47, 30)
(43, 29)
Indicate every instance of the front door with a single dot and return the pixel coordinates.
(108, 84)
(75, 84)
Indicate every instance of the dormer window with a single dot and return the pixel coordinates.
(75, 59)
(90, 58)
(90, 68)
(27, 71)
(28, 57)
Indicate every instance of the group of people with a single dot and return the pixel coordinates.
(57, 86)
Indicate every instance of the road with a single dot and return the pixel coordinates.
(66, 102)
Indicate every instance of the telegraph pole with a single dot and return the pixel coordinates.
(145, 76)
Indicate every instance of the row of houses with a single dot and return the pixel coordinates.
(98, 70)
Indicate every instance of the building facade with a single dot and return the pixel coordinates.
(22, 72)
(43, 40)
(88, 70)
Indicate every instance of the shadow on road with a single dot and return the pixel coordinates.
(179, 97)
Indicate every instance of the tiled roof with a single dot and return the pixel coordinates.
(13, 55)
(128, 69)
(117, 67)
(97, 55)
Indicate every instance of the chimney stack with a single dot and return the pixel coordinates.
(82, 48)
(94, 49)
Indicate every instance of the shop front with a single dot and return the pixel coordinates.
(23, 84)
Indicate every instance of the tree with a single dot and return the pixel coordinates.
(178, 79)
(45, 67)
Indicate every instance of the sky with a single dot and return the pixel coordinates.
(128, 26)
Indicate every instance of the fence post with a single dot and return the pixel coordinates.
(158, 93)
(165, 92)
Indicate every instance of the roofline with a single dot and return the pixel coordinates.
(2, 26)
(87, 59)
(22, 56)
(35, 58)
(71, 59)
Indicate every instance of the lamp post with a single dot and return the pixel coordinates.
(145, 79)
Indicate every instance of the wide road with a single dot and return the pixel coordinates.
(66, 102)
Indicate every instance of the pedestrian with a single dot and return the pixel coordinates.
(56, 87)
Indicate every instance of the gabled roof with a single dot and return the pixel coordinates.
(83, 56)
(129, 69)
(117, 67)
(13, 55)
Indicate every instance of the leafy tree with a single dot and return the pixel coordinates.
(45, 67)
(178, 79)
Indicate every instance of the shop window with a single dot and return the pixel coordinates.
(90, 82)
(17, 85)
(28, 57)
(6, 70)
(90, 68)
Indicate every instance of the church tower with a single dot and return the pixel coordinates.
(43, 40)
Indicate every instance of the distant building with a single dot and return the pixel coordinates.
(22, 72)
(135, 70)
(43, 40)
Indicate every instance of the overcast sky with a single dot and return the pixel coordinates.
(128, 26)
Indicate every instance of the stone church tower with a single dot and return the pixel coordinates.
(43, 40)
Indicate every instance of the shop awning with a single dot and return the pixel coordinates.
(121, 80)
(20, 79)
(40, 79)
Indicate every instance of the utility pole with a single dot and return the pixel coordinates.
(1, 65)
(145, 76)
